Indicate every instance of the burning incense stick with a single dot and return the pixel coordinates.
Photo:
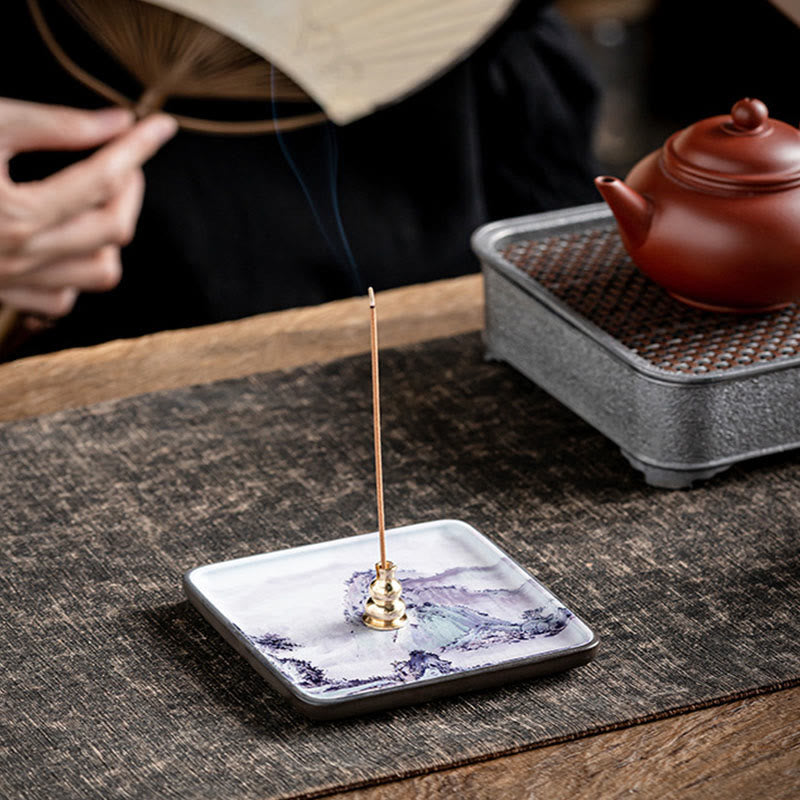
(376, 423)
(384, 610)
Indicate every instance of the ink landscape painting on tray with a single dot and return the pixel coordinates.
(470, 607)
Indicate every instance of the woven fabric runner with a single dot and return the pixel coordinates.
(114, 687)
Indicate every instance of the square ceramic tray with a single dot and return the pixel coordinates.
(476, 619)
(684, 393)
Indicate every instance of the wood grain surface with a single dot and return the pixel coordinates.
(741, 750)
(281, 340)
(744, 749)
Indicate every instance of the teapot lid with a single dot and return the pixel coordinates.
(745, 151)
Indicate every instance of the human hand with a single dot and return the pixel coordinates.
(62, 235)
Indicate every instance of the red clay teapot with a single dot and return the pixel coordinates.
(714, 216)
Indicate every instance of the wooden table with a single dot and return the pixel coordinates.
(744, 749)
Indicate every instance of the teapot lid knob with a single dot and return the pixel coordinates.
(749, 114)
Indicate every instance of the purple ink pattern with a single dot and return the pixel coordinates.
(445, 616)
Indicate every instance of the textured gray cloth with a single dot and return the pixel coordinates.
(113, 686)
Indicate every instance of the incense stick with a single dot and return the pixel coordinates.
(376, 422)
(385, 609)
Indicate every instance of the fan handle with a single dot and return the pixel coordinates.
(149, 103)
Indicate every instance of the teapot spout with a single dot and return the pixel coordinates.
(633, 212)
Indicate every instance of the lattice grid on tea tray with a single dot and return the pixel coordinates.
(591, 272)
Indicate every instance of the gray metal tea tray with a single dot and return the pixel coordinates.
(684, 393)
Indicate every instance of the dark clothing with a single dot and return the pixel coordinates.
(226, 230)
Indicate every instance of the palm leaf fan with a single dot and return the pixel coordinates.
(173, 56)
(351, 56)
(354, 56)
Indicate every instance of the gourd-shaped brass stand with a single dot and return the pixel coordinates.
(385, 610)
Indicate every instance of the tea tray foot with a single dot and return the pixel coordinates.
(665, 478)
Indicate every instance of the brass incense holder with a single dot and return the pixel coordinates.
(385, 611)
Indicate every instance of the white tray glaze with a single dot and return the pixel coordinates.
(476, 618)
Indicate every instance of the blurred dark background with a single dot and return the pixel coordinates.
(664, 64)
